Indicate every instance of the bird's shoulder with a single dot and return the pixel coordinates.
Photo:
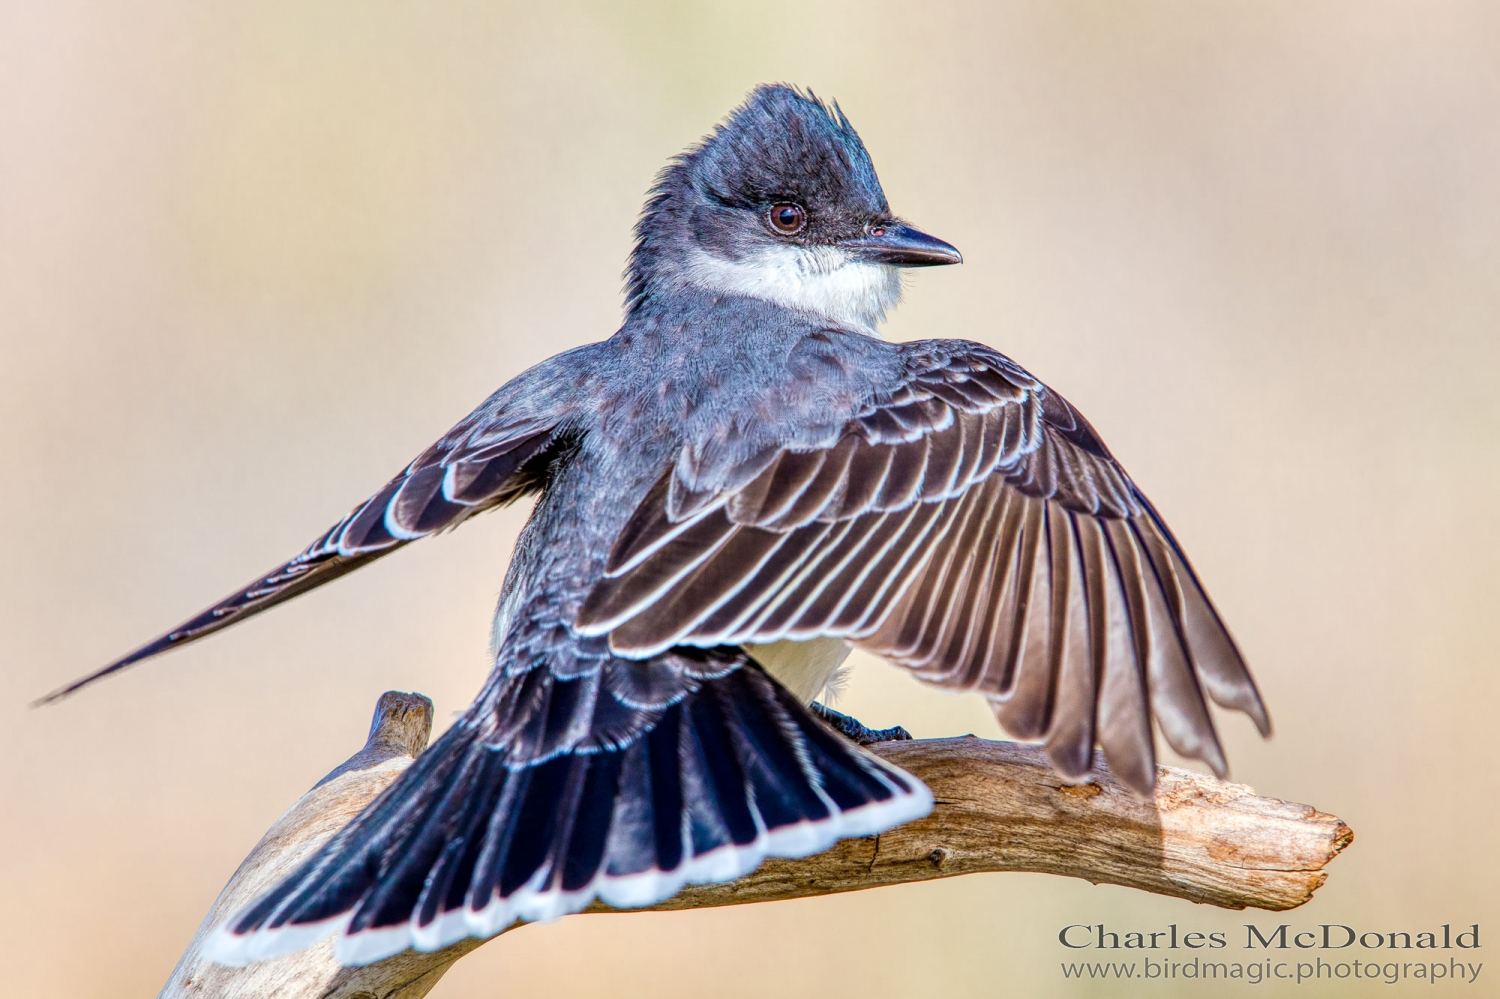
(937, 371)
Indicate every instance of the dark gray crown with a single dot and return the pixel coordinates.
(781, 145)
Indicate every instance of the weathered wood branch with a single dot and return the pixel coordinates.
(1000, 807)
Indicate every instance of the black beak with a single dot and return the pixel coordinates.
(901, 245)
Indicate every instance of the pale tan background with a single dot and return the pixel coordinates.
(253, 257)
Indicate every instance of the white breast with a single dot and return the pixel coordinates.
(804, 668)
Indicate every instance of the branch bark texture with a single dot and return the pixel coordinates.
(999, 807)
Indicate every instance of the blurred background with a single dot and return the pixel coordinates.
(255, 257)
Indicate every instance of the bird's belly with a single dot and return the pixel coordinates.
(804, 668)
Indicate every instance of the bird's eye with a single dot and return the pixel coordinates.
(787, 219)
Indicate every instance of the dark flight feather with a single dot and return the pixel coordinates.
(447, 484)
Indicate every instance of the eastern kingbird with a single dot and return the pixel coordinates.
(734, 489)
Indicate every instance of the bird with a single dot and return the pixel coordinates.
(740, 485)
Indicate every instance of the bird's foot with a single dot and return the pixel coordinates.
(856, 731)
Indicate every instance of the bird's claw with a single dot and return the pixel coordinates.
(855, 730)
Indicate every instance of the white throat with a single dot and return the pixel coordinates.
(825, 280)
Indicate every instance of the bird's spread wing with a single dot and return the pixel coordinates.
(487, 460)
(970, 525)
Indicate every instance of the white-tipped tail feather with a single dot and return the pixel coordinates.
(463, 846)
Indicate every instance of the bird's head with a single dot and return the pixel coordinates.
(781, 203)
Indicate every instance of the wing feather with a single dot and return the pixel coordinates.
(616, 600)
(969, 525)
(770, 579)
(1176, 698)
(1026, 707)
(904, 479)
(446, 484)
(886, 530)
(712, 582)
(943, 654)
(820, 491)
(869, 466)
(967, 667)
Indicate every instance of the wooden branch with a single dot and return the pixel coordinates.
(1000, 807)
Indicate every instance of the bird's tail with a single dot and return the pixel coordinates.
(461, 844)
